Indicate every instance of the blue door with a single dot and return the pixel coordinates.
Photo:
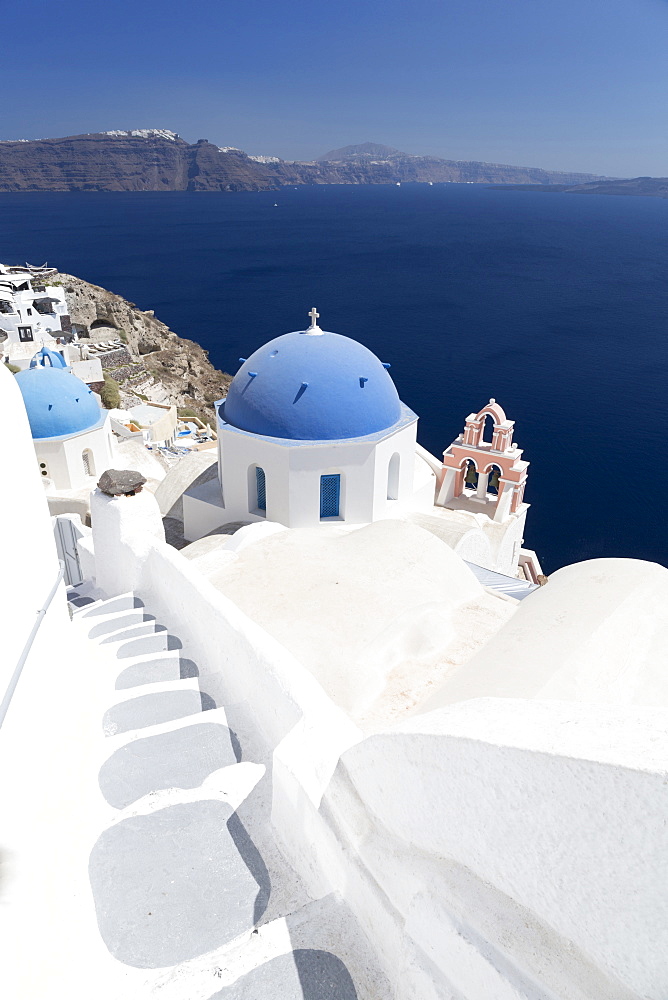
(261, 489)
(330, 491)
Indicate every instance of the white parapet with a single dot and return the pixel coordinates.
(123, 528)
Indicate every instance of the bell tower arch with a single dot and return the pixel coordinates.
(499, 458)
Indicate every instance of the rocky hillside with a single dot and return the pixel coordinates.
(160, 160)
(161, 365)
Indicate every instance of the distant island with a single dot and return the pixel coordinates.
(160, 160)
(647, 187)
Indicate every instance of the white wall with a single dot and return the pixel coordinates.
(87, 371)
(292, 477)
(64, 461)
(29, 564)
(537, 835)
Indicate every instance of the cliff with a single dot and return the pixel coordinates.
(160, 160)
(161, 365)
(645, 187)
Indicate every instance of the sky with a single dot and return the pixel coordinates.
(569, 85)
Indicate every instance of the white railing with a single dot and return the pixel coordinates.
(11, 687)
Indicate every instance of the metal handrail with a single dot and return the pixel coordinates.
(11, 687)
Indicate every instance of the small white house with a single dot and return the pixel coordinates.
(71, 432)
(312, 430)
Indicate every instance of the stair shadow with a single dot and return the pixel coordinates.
(303, 974)
(254, 863)
(131, 620)
(135, 632)
(156, 643)
(179, 759)
(126, 603)
(171, 885)
(172, 668)
(151, 710)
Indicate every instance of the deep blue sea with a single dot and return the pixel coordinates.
(555, 304)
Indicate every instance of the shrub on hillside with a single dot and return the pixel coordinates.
(110, 393)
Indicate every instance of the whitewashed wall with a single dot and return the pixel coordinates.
(535, 838)
(292, 477)
(29, 564)
(64, 461)
(494, 848)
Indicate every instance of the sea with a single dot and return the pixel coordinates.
(554, 304)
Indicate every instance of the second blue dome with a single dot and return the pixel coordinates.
(57, 402)
(312, 387)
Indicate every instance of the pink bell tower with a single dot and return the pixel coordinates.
(471, 460)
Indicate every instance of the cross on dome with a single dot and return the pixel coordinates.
(314, 328)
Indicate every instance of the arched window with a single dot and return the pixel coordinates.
(393, 477)
(494, 484)
(488, 425)
(88, 462)
(470, 475)
(260, 489)
(330, 495)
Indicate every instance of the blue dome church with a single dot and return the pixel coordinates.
(312, 430)
(71, 432)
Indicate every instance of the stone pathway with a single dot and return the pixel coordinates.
(186, 879)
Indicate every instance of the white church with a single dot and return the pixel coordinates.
(339, 746)
(312, 431)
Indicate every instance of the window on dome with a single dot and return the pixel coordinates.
(330, 495)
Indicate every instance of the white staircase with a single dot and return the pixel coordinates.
(181, 877)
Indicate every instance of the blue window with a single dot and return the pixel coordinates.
(261, 489)
(330, 491)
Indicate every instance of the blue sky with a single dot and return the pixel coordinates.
(573, 85)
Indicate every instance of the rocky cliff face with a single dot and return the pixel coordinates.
(644, 187)
(159, 160)
(162, 366)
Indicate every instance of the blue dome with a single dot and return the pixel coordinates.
(48, 359)
(57, 402)
(312, 387)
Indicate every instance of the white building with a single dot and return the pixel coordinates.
(71, 432)
(312, 431)
(31, 311)
(152, 423)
